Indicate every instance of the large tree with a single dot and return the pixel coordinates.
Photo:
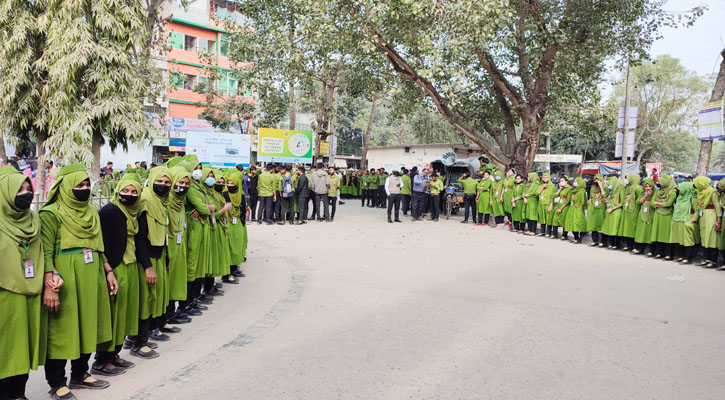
(494, 69)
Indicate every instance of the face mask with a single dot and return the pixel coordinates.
(219, 187)
(209, 181)
(161, 190)
(233, 188)
(498, 178)
(658, 186)
(180, 190)
(82, 194)
(610, 187)
(196, 174)
(127, 199)
(23, 201)
(575, 184)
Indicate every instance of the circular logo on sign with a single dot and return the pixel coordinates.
(286, 133)
(299, 145)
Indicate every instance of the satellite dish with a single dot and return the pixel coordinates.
(448, 158)
(474, 163)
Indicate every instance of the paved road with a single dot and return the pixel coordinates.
(362, 309)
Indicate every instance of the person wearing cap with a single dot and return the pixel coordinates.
(470, 186)
(79, 313)
(22, 280)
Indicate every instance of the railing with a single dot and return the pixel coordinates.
(101, 193)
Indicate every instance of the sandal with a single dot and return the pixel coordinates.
(120, 362)
(144, 352)
(107, 370)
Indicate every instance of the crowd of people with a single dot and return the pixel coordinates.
(77, 280)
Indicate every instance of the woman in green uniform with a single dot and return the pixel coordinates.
(561, 204)
(79, 314)
(517, 204)
(119, 225)
(153, 274)
(531, 202)
(546, 193)
(596, 209)
(721, 242)
(684, 231)
(709, 219)
(662, 203)
(576, 221)
(497, 192)
(22, 343)
(630, 211)
(178, 289)
(483, 199)
(643, 232)
(613, 215)
(236, 221)
(219, 235)
(508, 193)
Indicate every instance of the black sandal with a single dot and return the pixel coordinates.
(107, 371)
(123, 363)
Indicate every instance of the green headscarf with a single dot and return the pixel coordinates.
(131, 212)
(157, 215)
(683, 205)
(617, 187)
(667, 187)
(581, 184)
(177, 213)
(721, 184)
(80, 226)
(186, 165)
(236, 178)
(631, 190)
(704, 191)
(174, 161)
(645, 212)
(18, 229)
(216, 196)
(594, 190)
(533, 184)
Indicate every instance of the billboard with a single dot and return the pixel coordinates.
(710, 121)
(219, 149)
(285, 146)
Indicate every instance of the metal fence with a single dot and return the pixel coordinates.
(101, 193)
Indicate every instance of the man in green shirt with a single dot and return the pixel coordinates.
(265, 187)
(382, 198)
(373, 188)
(363, 181)
(332, 191)
(405, 191)
(470, 186)
(436, 187)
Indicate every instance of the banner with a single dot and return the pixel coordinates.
(285, 146)
(650, 166)
(710, 121)
(219, 149)
(324, 147)
(608, 168)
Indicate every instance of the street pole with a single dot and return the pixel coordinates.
(625, 134)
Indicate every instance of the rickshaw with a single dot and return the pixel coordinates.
(453, 197)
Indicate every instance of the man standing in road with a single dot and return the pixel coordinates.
(405, 192)
(265, 185)
(303, 194)
(286, 193)
(470, 186)
(436, 187)
(332, 192)
(320, 183)
(419, 188)
(252, 179)
(393, 185)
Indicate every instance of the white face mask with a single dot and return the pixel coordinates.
(575, 184)
(196, 174)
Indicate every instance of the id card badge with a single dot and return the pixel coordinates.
(178, 238)
(234, 220)
(87, 256)
(596, 203)
(542, 197)
(645, 209)
(184, 224)
(213, 219)
(626, 204)
(29, 267)
(571, 203)
(701, 213)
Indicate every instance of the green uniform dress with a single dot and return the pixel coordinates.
(218, 236)
(561, 207)
(709, 212)
(575, 219)
(630, 209)
(518, 213)
(532, 198)
(683, 214)
(546, 199)
(236, 221)
(643, 232)
(177, 237)
(663, 215)
(24, 333)
(484, 196)
(198, 249)
(597, 208)
(73, 246)
(613, 219)
(496, 191)
(721, 185)
(508, 193)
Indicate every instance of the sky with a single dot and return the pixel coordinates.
(699, 46)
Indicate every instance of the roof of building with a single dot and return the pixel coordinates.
(429, 145)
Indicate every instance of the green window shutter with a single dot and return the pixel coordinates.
(248, 91)
(233, 86)
(176, 40)
(223, 44)
(176, 80)
(223, 85)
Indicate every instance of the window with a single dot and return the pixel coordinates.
(223, 44)
(202, 80)
(189, 82)
(176, 80)
(207, 46)
(407, 149)
(176, 40)
(189, 43)
(228, 86)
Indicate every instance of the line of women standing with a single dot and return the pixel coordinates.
(77, 281)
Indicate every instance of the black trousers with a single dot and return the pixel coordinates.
(285, 209)
(253, 198)
(531, 225)
(417, 204)
(405, 200)
(469, 204)
(483, 218)
(373, 199)
(394, 203)
(435, 200)
(142, 337)
(382, 197)
(333, 205)
(265, 209)
(498, 219)
(55, 370)
(363, 196)
(13, 387)
(106, 357)
(426, 203)
(302, 206)
(323, 206)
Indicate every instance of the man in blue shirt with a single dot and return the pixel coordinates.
(420, 184)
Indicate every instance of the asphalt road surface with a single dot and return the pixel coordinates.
(363, 309)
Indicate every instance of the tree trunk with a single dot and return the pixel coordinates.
(40, 138)
(703, 160)
(523, 156)
(292, 107)
(3, 154)
(368, 133)
(96, 150)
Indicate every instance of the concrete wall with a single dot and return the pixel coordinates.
(417, 156)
